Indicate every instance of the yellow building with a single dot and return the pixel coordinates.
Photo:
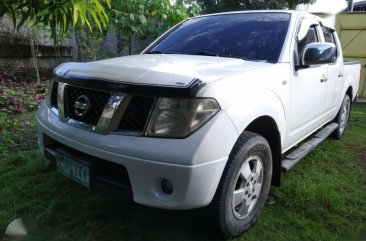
(350, 26)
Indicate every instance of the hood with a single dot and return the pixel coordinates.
(159, 69)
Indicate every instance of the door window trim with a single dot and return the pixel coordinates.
(335, 42)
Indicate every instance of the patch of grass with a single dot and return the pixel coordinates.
(17, 133)
(323, 198)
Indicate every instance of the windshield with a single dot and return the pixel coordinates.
(250, 36)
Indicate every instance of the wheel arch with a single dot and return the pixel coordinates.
(349, 92)
(267, 127)
(262, 111)
(268, 119)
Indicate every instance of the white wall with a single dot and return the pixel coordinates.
(324, 6)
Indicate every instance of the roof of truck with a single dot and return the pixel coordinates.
(292, 12)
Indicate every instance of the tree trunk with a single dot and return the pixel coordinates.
(34, 50)
(74, 46)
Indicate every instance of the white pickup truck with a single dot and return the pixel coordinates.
(211, 113)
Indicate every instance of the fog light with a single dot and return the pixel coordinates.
(166, 187)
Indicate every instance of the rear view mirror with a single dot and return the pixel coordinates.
(319, 53)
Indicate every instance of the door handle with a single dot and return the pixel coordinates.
(340, 75)
(324, 79)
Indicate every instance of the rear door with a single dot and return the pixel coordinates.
(335, 72)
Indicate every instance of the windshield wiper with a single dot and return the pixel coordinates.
(256, 60)
(204, 53)
(156, 52)
(207, 53)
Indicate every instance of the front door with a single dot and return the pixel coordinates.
(308, 91)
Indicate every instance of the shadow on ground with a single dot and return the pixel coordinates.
(111, 218)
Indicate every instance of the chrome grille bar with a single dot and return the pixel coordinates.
(60, 101)
(112, 113)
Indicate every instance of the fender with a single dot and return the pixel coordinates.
(266, 104)
(253, 94)
(249, 107)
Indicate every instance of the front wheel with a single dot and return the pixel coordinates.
(342, 117)
(244, 186)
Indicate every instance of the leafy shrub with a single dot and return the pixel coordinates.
(21, 97)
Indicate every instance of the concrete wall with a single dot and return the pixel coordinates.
(15, 48)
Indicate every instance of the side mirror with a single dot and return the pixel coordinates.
(319, 53)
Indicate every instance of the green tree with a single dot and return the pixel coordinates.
(58, 15)
(291, 4)
(149, 18)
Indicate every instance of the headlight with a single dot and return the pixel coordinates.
(179, 117)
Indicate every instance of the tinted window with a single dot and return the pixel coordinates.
(328, 36)
(253, 36)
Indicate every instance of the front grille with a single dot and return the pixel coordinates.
(54, 95)
(98, 100)
(136, 114)
(134, 118)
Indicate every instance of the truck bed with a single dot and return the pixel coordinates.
(352, 73)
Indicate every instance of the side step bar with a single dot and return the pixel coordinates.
(295, 156)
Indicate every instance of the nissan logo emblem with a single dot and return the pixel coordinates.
(82, 105)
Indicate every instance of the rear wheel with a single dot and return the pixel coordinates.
(342, 117)
(244, 186)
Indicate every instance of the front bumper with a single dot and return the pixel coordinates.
(193, 165)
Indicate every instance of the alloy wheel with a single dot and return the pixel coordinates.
(247, 188)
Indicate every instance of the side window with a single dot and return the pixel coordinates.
(311, 37)
(330, 38)
(328, 35)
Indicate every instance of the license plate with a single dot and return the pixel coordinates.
(73, 169)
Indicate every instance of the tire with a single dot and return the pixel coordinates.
(243, 182)
(342, 117)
